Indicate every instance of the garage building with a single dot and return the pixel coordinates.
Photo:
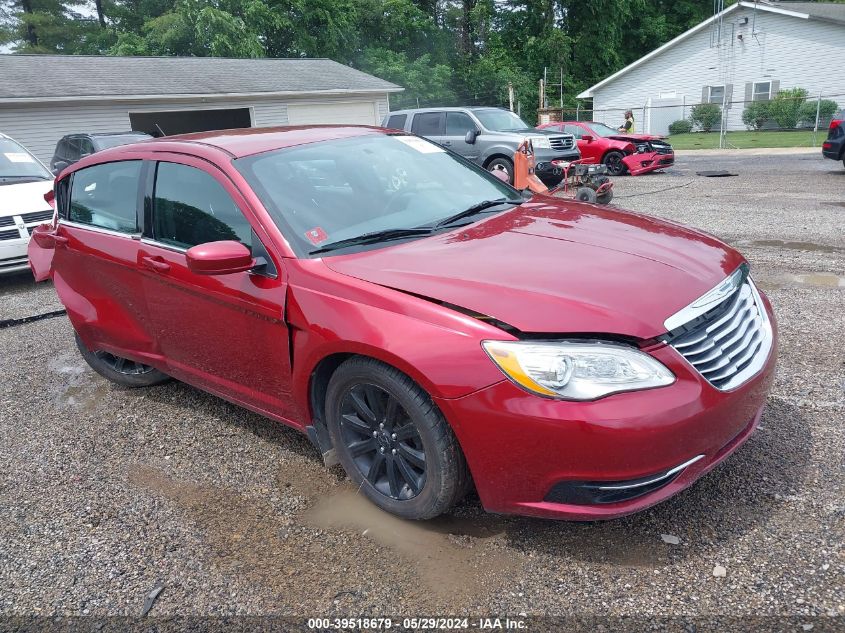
(45, 97)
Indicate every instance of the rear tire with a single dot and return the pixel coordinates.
(585, 194)
(121, 370)
(392, 440)
(503, 164)
(614, 164)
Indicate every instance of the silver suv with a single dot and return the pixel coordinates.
(487, 136)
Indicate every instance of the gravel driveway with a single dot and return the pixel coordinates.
(107, 492)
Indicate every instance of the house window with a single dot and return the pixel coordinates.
(762, 91)
(715, 94)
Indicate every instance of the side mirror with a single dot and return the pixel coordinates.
(58, 166)
(470, 137)
(587, 137)
(219, 258)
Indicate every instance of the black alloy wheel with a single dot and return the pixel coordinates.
(615, 166)
(383, 441)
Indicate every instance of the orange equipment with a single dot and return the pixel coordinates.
(523, 169)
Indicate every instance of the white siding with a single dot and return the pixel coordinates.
(789, 50)
(40, 126)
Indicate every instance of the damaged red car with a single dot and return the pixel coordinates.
(622, 153)
(426, 326)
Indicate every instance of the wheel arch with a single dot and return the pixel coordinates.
(497, 154)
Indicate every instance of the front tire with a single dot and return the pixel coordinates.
(585, 194)
(503, 164)
(392, 440)
(120, 370)
(614, 164)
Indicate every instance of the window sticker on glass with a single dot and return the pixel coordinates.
(422, 146)
(19, 157)
(316, 235)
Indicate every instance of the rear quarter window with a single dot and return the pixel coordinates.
(397, 121)
(106, 196)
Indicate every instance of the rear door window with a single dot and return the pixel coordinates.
(190, 207)
(428, 124)
(106, 196)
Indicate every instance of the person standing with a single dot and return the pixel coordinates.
(628, 126)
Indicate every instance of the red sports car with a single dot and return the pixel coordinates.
(424, 324)
(622, 153)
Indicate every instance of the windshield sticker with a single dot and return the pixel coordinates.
(19, 157)
(421, 145)
(316, 235)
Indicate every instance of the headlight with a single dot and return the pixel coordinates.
(577, 370)
(540, 142)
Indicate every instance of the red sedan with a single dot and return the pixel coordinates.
(425, 325)
(635, 154)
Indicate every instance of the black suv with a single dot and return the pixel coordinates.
(73, 147)
(834, 145)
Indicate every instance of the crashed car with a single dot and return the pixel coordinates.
(432, 333)
(623, 153)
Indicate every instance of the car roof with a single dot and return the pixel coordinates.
(445, 109)
(241, 142)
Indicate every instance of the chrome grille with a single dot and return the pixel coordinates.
(10, 235)
(7, 221)
(562, 142)
(729, 343)
(37, 216)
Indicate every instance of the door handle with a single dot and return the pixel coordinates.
(155, 263)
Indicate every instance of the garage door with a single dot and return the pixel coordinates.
(354, 112)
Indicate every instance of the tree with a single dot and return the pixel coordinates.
(826, 109)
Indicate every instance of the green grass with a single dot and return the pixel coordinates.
(746, 140)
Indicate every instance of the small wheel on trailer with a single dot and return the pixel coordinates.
(605, 197)
(585, 194)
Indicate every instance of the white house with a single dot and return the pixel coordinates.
(746, 52)
(45, 97)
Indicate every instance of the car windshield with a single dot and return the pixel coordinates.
(500, 120)
(17, 164)
(113, 140)
(326, 192)
(600, 129)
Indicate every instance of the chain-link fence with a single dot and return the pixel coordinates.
(683, 114)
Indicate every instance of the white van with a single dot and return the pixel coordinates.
(23, 182)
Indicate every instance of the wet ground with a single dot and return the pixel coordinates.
(106, 492)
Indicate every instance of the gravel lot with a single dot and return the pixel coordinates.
(105, 492)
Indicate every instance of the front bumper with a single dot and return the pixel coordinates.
(13, 255)
(543, 166)
(646, 162)
(523, 449)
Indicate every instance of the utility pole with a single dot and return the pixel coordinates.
(542, 94)
(510, 96)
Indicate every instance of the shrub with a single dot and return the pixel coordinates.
(681, 126)
(807, 113)
(706, 115)
(756, 115)
(786, 105)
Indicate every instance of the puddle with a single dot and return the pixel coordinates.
(816, 280)
(75, 384)
(446, 561)
(444, 550)
(798, 246)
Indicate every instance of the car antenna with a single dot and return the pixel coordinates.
(160, 130)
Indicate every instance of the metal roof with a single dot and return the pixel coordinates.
(83, 77)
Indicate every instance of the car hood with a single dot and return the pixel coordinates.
(24, 197)
(633, 138)
(553, 266)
